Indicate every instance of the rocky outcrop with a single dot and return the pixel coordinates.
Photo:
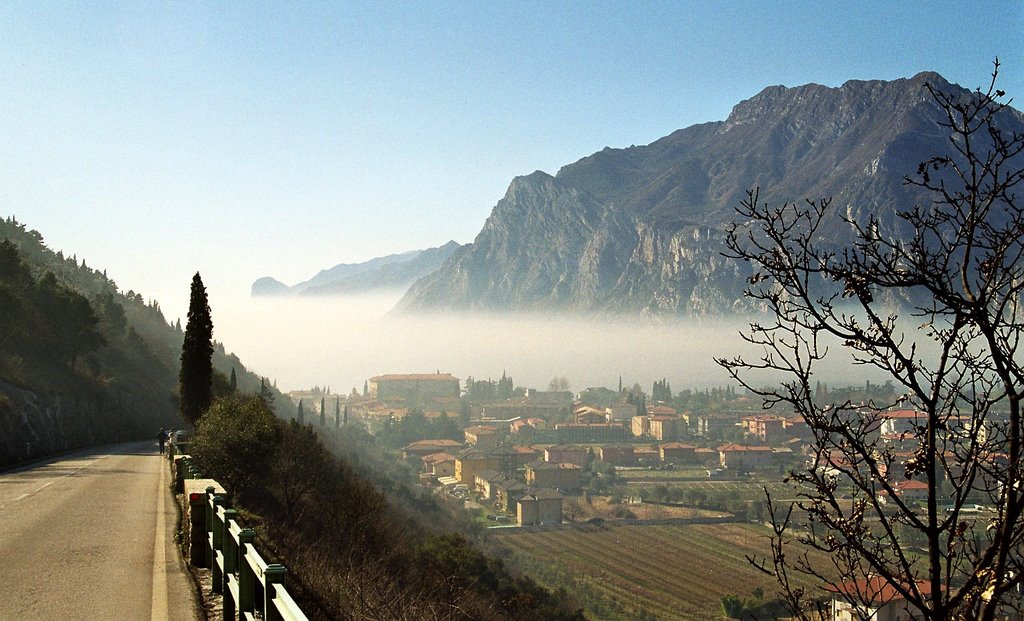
(35, 424)
(641, 230)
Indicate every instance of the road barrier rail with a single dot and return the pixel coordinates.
(249, 585)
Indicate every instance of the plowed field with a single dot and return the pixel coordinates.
(671, 571)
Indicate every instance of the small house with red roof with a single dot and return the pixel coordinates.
(566, 454)
(543, 506)
(481, 436)
(742, 456)
(439, 464)
(617, 454)
(678, 453)
(874, 598)
(562, 476)
(422, 448)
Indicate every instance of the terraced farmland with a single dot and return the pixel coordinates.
(669, 572)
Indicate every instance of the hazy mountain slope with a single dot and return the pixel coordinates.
(396, 271)
(385, 273)
(122, 385)
(641, 229)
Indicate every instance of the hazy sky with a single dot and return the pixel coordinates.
(244, 139)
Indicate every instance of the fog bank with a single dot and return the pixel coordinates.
(342, 341)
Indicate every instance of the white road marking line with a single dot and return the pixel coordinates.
(158, 608)
(49, 483)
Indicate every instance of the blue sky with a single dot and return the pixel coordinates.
(249, 139)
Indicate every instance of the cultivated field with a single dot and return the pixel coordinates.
(666, 571)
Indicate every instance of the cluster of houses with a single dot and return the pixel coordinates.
(497, 459)
(898, 432)
(523, 456)
(499, 444)
(530, 482)
(491, 475)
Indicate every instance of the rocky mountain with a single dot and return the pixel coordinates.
(395, 271)
(640, 230)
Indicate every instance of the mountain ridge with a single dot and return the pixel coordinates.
(639, 230)
(393, 271)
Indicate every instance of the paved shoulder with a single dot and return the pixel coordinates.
(90, 536)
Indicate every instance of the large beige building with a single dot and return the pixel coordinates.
(414, 386)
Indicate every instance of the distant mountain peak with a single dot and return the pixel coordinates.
(268, 286)
(393, 271)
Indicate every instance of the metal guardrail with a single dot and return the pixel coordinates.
(248, 584)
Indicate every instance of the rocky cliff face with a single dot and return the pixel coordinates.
(34, 424)
(640, 230)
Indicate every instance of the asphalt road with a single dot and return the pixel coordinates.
(90, 536)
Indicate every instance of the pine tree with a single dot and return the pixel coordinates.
(337, 412)
(302, 414)
(323, 413)
(195, 380)
(233, 382)
(265, 392)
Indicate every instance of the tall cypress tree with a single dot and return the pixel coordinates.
(195, 380)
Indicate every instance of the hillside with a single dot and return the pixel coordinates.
(640, 230)
(82, 362)
(392, 272)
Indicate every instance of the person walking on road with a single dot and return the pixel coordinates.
(162, 436)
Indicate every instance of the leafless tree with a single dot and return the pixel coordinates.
(931, 298)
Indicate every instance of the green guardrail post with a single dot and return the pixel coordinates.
(216, 572)
(273, 577)
(178, 470)
(197, 529)
(209, 525)
(246, 576)
(230, 561)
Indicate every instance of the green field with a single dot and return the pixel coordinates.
(668, 571)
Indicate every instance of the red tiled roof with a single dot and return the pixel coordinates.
(725, 448)
(875, 590)
(432, 443)
(437, 458)
(909, 485)
(677, 445)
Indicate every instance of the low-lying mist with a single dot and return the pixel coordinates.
(342, 341)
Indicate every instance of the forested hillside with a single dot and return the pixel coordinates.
(82, 362)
